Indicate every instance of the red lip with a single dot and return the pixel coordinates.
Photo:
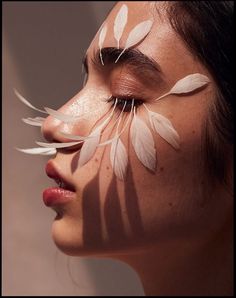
(57, 195)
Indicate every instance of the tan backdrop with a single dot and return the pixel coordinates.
(43, 44)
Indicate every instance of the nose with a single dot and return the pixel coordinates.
(52, 127)
(50, 130)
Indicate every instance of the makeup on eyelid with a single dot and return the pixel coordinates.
(124, 82)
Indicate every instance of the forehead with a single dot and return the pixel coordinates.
(162, 44)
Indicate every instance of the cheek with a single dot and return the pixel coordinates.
(168, 203)
(171, 191)
(144, 207)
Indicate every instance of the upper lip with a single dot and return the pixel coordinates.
(53, 173)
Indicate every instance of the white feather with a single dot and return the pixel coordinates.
(61, 116)
(37, 121)
(120, 22)
(188, 84)
(143, 143)
(90, 145)
(26, 102)
(88, 149)
(67, 118)
(73, 137)
(92, 138)
(136, 35)
(120, 133)
(57, 145)
(118, 158)
(101, 39)
(164, 128)
(43, 151)
(77, 137)
(50, 152)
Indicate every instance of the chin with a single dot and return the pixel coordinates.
(67, 238)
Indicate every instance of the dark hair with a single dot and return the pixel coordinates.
(206, 27)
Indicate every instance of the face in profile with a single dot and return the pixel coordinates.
(160, 197)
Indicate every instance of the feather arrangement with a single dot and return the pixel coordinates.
(188, 84)
(101, 39)
(140, 134)
(136, 35)
(120, 22)
(90, 145)
(164, 128)
(123, 129)
(143, 143)
(56, 114)
(88, 139)
(77, 137)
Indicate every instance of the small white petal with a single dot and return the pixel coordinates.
(143, 143)
(118, 158)
(120, 22)
(37, 150)
(188, 84)
(57, 145)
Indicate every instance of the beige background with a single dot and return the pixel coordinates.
(43, 44)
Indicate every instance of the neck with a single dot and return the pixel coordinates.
(186, 268)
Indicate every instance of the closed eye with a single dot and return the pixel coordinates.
(127, 101)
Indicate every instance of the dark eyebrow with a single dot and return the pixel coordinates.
(139, 63)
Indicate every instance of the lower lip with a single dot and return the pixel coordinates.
(56, 196)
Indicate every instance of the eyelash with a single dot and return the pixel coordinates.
(122, 100)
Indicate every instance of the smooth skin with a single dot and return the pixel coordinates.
(166, 225)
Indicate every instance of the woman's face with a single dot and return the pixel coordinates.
(110, 216)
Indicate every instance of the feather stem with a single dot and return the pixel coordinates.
(101, 57)
(120, 55)
(162, 96)
(110, 140)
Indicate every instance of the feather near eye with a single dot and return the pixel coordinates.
(143, 143)
(136, 35)
(120, 22)
(101, 39)
(188, 84)
(128, 100)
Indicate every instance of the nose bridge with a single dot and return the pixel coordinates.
(85, 108)
(52, 126)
